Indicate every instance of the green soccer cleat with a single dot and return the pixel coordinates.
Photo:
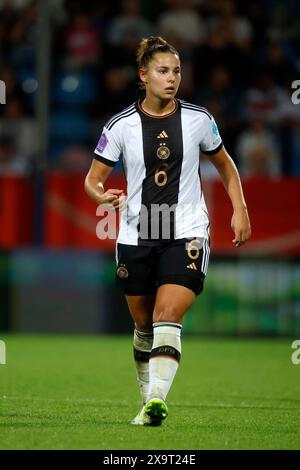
(157, 410)
(142, 419)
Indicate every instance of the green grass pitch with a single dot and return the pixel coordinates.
(75, 392)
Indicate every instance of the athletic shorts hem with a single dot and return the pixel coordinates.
(195, 285)
(146, 291)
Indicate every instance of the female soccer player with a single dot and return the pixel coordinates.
(162, 249)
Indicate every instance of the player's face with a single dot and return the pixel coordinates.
(162, 76)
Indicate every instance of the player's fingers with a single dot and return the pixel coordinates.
(117, 192)
(116, 203)
(239, 243)
(239, 239)
(108, 198)
(119, 202)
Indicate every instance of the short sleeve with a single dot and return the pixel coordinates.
(211, 142)
(109, 147)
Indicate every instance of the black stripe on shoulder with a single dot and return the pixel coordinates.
(104, 160)
(194, 107)
(121, 117)
(212, 152)
(117, 116)
(198, 109)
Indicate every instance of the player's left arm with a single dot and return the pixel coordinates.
(240, 222)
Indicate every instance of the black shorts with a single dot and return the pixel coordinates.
(142, 269)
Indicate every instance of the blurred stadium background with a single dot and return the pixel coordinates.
(69, 65)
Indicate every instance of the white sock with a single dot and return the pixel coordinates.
(164, 358)
(142, 345)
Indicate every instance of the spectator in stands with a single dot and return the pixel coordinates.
(258, 151)
(222, 99)
(15, 4)
(75, 159)
(262, 100)
(20, 129)
(224, 56)
(219, 51)
(7, 20)
(126, 29)
(119, 89)
(81, 41)
(182, 25)
(11, 163)
(276, 64)
(23, 36)
(238, 28)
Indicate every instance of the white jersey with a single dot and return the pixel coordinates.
(161, 159)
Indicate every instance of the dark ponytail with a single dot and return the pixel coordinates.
(148, 47)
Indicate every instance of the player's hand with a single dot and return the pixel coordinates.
(241, 227)
(113, 197)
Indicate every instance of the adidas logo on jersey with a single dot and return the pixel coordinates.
(192, 266)
(162, 135)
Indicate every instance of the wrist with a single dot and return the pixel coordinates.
(240, 208)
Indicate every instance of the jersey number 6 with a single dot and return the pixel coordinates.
(161, 176)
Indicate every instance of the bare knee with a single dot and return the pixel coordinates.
(167, 314)
(141, 310)
(144, 325)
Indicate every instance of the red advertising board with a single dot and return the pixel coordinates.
(274, 210)
(273, 205)
(70, 216)
(16, 211)
(70, 219)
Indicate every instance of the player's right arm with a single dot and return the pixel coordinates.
(94, 185)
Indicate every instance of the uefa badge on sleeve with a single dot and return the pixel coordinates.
(103, 141)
